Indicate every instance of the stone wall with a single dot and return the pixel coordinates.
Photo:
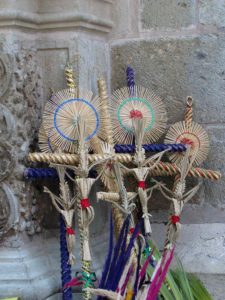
(176, 48)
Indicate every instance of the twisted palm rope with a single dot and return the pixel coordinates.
(162, 169)
(86, 268)
(188, 113)
(80, 227)
(106, 127)
(70, 78)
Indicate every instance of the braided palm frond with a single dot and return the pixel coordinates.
(95, 145)
(107, 177)
(193, 135)
(105, 132)
(143, 104)
(64, 111)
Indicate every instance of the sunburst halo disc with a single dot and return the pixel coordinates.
(62, 114)
(193, 136)
(142, 104)
(64, 126)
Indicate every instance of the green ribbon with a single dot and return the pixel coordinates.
(88, 279)
(147, 251)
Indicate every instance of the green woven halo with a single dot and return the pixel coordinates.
(142, 104)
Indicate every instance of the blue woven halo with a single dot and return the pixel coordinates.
(59, 107)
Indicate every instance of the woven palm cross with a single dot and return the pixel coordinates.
(73, 106)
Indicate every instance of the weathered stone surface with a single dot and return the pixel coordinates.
(211, 12)
(215, 191)
(126, 24)
(7, 124)
(5, 73)
(18, 119)
(24, 5)
(37, 264)
(207, 248)
(200, 246)
(175, 69)
(9, 209)
(42, 15)
(92, 63)
(52, 62)
(7, 160)
(167, 14)
(191, 214)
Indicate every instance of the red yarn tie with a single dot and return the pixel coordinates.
(132, 231)
(175, 219)
(141, 184)
(136, 114)
(70, 231)
(187, 141)
(85, 203)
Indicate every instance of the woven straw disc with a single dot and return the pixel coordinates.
(194, 136)
(44, 142)
(62, 114)
(142, 104)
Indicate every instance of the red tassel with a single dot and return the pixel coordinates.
(70, 231)
(74, 282)
(175, 219)
(142, 185)
(85, 203)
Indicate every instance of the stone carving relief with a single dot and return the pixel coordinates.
(19, 120)
(5, 73)
(6, 161)
(7, 123)
(29, 104)
(9, 211)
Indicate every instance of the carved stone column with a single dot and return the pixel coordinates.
(37, 39)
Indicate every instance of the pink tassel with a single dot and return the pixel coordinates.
(145, 266)
(163, 275)
(131, 270)
(74, 282)
(159, 278)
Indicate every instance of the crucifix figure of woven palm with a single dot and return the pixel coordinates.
(70, 123)
(138, 117)
(79, 133)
